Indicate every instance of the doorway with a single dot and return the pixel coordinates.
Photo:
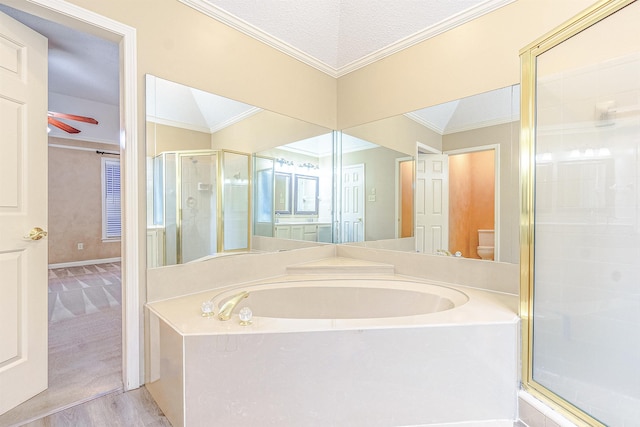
(131, 274)
(353, 210)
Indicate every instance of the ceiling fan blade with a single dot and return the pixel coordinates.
(65, 127)
(73, 117)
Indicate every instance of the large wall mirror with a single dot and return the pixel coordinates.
(200, 150)
(298, 204)
(465, 200)
(442, 179)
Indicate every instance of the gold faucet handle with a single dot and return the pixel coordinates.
(36, 233)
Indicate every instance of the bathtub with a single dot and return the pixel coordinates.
(331, 299)
(336, 351)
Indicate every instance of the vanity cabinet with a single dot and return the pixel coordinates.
(282, 231)
(297, 232)
(309, 232)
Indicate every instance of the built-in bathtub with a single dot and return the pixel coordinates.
(337, 351)
(338, 299)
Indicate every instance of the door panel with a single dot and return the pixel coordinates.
(353, 204)
(432, 203)
(23, 206)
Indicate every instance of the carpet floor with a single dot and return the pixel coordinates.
(85, 345)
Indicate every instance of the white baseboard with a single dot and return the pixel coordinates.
(85, 262)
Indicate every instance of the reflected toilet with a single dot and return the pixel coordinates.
(485, 244)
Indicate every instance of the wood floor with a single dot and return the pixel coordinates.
(85, 350)
(131, 409)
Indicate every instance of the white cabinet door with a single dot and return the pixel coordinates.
(282, 231)
(297, 232)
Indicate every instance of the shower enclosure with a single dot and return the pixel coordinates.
(581, 216)
(201, 202)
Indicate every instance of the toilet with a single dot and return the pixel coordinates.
(486, 244)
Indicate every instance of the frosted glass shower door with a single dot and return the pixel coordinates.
(198, 205)
(235, 208)
(586, 252)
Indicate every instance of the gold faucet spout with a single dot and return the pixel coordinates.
(227, 307)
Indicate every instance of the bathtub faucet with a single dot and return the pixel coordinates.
(227, 307)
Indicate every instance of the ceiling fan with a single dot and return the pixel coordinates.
(52, 118)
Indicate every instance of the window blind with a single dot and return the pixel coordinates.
(111, 199)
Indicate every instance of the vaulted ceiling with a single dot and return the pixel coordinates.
(334, 36)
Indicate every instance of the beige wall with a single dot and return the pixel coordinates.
(75, 205)
(476, 57)
(161, 138)
(264, 130)
(398, 132)
(178, 43)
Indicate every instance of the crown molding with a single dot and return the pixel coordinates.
(478, 125)
(424, 122)
(439, 28)
(252, 31)
(244, 27)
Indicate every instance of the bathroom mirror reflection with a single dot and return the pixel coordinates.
(282, 193)
(376, 184)
(376, 204)
(306, 195)
(466, 175)
(303, 192)
(182, 224)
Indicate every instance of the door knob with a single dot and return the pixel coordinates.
(36, 233)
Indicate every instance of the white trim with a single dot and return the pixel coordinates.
(87, 139)
(443, 26)
(256, 33)
(85, 262)
(426, 149)
(493, 122)
(496, 200)
(175, 124)
(246, 28)
(132, 312)
(75, 147)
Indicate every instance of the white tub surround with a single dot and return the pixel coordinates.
(455, 365)
(219, 272)
(476, 273)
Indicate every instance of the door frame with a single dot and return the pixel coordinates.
(76, 17)
(397, 184)
(496, 197)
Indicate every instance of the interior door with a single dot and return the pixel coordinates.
(23, 206)
(432, 203)
(353, 203)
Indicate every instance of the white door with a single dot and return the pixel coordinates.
(23, 206)
(432, 203)
(353, 203)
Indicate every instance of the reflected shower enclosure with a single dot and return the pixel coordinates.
(188, 203)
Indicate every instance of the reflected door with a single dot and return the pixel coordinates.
(198, 205)
(432, 203)
(263, 206)
(353, 203)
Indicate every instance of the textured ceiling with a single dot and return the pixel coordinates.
(339, 36)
